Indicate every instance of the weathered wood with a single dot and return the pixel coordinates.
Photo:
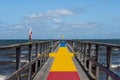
(36, 63)
(93, 62)
(89, 55)
(85, 57)
(18, 52)
(15, 75)
(36, 50)
(107, 69)
(30, 67)
(97, 60)
(109, 58)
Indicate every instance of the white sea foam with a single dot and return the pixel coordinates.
(2, 77)
(115, 65)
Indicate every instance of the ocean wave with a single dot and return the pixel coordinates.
(2, 77)
(115, 65)
(13, 61)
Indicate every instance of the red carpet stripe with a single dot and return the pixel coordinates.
(63, 76)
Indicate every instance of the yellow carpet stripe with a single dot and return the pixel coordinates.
(63, 60)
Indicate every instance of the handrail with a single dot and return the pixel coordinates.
(93, 42)
(84, 49)
(22, 44)
(17, 73)
(90, 61)
(41, 47)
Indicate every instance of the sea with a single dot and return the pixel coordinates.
(7, 57)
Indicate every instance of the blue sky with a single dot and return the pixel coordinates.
(50, 19)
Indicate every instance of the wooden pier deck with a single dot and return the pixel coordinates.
(63, 60)
(65, 64)
(61, 66)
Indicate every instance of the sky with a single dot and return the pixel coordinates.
(51, 19)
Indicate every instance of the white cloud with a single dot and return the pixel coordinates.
(53, 15)
(19, 27)
(57, 20)
(60, 12)
(83, 25)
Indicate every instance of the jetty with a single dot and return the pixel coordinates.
(63, 60)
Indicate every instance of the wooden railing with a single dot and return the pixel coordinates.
(35, 63)
(88, 54)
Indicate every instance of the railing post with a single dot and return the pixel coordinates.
(45, 50)
(40, 48)
(30, 58)
(85, 52)
(37, 52)
(40, 61)
(79, 46)
(109, 58)
(73, 43)
(97, 59)
(45, 46)
(18, 51)
(51, 46)
(89, 54)
(81, 52)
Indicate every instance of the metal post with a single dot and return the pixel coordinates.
(109, 58)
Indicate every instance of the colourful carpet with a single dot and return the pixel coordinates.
(63, 67)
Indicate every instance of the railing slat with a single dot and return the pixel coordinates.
(30, 67)
(18, 52)
(94, 63)
(109, 58)
(97, 60)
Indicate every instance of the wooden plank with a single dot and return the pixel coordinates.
(18, 52)
(30, 67)
(109, 58)
(97, 60)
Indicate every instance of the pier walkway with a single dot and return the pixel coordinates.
(63, 60)
(63, 67)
